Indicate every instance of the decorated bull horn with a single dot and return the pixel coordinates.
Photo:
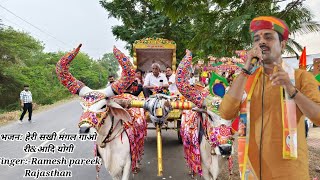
(127, 75)
(189, 92)
(65, 77)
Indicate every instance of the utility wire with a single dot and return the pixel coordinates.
(23, 28)
(34, 26)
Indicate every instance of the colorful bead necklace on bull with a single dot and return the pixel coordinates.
(91, 97)
(216, 131)
(272, 99)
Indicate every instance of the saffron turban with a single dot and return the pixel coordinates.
(269, 22)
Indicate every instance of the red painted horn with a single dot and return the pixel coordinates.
(65, 77)
(127, 75)
(189, 92)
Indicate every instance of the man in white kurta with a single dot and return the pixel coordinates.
(155, 81)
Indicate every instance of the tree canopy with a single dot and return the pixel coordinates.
(141, 19)
(216, 27)
(22, 61)
(109, 63)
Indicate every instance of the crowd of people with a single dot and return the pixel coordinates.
(153, 82)
(157, 81)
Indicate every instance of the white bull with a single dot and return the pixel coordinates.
(207, 141)
(206, 137)
(120, 131)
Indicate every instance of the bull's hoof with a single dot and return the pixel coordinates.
(192, 176)
(136, 170)
(84, 129)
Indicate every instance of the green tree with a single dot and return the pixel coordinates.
(17, 47)
(216, 27)
(22, 61)
(88, 71)
(140, 19)
(109, 63)
(222, 26)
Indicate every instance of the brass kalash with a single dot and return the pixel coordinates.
(162, 51)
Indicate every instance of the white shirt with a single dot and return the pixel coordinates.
(151, 80)
(26, 96)
(172, 87)
(192, 81)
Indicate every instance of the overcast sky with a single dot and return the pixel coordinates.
(71, 22)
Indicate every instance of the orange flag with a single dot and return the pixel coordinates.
(303, 59)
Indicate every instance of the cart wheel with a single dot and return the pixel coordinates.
(178, 131)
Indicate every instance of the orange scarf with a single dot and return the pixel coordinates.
(289, 122)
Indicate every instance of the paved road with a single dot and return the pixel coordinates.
(64, 119)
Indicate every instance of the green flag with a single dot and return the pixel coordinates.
(317, 77)
(216, 64)
(214, 77)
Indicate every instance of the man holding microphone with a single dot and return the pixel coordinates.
(272, 100)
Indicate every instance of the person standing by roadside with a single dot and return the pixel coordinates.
(26, 103)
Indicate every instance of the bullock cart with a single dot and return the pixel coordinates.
(162, 51)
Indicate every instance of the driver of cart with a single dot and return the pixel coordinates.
(136, 87)
(154, 82)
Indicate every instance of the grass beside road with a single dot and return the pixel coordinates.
(12, 116)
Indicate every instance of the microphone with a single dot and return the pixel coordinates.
(254, 61)
(253, 65)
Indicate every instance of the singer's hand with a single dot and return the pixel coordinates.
(281, 78)
(254, 52)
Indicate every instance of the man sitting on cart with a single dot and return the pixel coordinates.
(171, 77)
(154, 82)
(138, 83)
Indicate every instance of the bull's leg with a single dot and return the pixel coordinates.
(116, 156)
(214, 168)
(206, 161)
(205, 173)
(126, 170)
